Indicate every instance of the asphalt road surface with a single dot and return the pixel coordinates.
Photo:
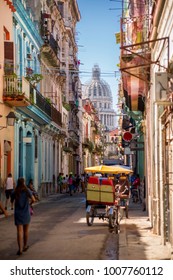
(58, 231)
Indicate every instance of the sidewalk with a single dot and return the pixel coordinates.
(136, 240)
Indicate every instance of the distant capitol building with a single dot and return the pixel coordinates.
(98, 91)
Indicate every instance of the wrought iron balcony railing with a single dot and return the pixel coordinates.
(19, 93)
(38, 99)
(41, 102)
(12, 86)
(56, 116)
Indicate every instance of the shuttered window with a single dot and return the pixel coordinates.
(8, 57)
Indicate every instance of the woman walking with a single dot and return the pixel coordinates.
(23, 199)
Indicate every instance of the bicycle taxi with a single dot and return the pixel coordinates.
(102, 199)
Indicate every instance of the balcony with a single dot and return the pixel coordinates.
(16, 92)
(38, 99)
(74, 139)
(50, 51)
(41, 102)
(87, 144)
(67, 149)
(56, 116)
(61, 76)
(70, 29)
(74, 104)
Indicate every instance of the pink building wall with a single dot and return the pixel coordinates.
(6, 134)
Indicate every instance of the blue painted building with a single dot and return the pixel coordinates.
(36, 148)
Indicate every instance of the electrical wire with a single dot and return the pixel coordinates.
(50, 69)
(129, 2)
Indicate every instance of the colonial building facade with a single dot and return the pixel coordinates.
(146, 65)
(7, 145)
(40, 83)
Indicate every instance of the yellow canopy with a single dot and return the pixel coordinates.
(113, 169)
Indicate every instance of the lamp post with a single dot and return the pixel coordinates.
(10, 119)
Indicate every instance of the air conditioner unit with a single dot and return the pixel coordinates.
(161, 86)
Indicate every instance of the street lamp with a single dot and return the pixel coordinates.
(10, 119)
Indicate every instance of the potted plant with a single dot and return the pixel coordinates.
(34, 78)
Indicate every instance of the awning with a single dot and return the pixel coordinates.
(135, 81)
(136, 49)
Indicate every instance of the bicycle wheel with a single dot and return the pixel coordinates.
(90, 217)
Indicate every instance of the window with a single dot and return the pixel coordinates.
(61, 8)
(100, 91)
(8, 57)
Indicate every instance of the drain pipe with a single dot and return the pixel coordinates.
(161, 181)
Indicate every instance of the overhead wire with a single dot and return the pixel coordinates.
(57, 69)
(128, 2)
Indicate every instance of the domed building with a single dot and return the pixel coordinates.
(98, 91)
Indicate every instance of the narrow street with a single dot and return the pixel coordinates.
(58, 231)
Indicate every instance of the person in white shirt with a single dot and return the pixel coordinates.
(9, 187)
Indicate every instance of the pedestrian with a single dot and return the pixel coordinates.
(59, 182)
(82, 183)
(78, 182)
(74, 182)
(70, 183)
(23, 198)
(135, 189)
(3, 210)
(32, 189)
(63, 184)
(9, 187)
(66, 184)
(132, 179)
(123, 186)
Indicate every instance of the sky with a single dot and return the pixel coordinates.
(100, 20)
